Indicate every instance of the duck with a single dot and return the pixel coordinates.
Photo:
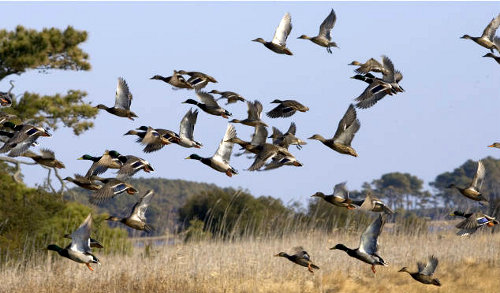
(231, 97)
(208, 104)
(79, 249)
(495, 145)
(131, 165)
(347, 128)
(280, 160)
(472, 222)
(278, 44)
(340, 197)
(84, 182)
(153, 139)
(286, 108)
(486, 40)
(300, 257)
(425, 272)
(258, 138)
(324, 38)
(473, 190)
(220, 160)
(176, 80)
(288, 138)
(46, 158)
(111, 188)
(24, 136)
(368, 245)
(254, 112)
(123, 100)
(137, 218)
(109, 160)
(373, 204)
(370, 65)
(198, 80)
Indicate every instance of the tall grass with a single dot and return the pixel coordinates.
(246, 264)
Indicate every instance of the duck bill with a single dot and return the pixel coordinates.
(491, 146)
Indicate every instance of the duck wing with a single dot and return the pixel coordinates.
(347, 128)
(292, 129)
(207, 99)
(123, 97)
(47, 154)
(223, 153)
(490, 30)
(372, 94)
(259, 136)
(140, 208)
(131, 166)
(475, 221)
(388, 73)
(80, 238)
(254, 110)
(327, 25)
(340, 191)
(281, 111)
(370, 65)
(368, 242)
(110, 189)
(283, 30)
(479, 177)
(187, 124)
(429, 269)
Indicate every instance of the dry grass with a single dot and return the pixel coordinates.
(466, 265)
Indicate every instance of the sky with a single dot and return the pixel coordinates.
(448, 114)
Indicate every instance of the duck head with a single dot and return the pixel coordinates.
(304, 37)
(317, 137)
(318, 194)
(340, 247)
(355, 63)
(259, 40)
(466, 37)
(495, 144)
(101, 106)
(282, 254)
(194, 157)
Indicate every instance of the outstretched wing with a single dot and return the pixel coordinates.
(207, 99)
(492, 27)
(340, 191)
(283, 30)
(479, 177)
(327, 25)
(187, 124)
(260, 135)
(347, 128)
(368, 242)
(430, 267)
(223, 153)
(123, 97)
(80, 238)
(139, 209)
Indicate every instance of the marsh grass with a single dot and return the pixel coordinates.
(247, 265)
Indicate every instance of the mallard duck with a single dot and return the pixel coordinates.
(368, 245)
(258, 138)
(286, 108)
(280, 160)
(176, 80)
(300, 257)
(84, 182)
(425, 272)
(109, 160)
(23, 138)
(495, 145)
(220, 160)
(93, 242)
(111, 188)
(132, 165)
(208, 104)
(231, 97)
(198, 80)
(137, 218)
(347, 128)
(472, 191)
(288, 138)
(340, 197)
(151, 138)
(372, 204)
(487, 38)
(253, 118)
(7, 97)
(370, 65)
(45, 158)
(278, 44)
(324, 39)
(6, 117)
(79, 249)
(123, 99)
(472, 222)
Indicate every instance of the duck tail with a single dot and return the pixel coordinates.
(314, 266)
(148, 228)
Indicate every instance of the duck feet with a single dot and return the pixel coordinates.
(310, 269)
(229, 173)
(88, 266)
(373, 269)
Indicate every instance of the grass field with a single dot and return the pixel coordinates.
(466, 265)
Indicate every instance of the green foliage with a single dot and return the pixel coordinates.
(196, 231)
(399, 189)
(30, 219)
(25, 49)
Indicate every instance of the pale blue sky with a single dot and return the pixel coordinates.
(448, 114)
